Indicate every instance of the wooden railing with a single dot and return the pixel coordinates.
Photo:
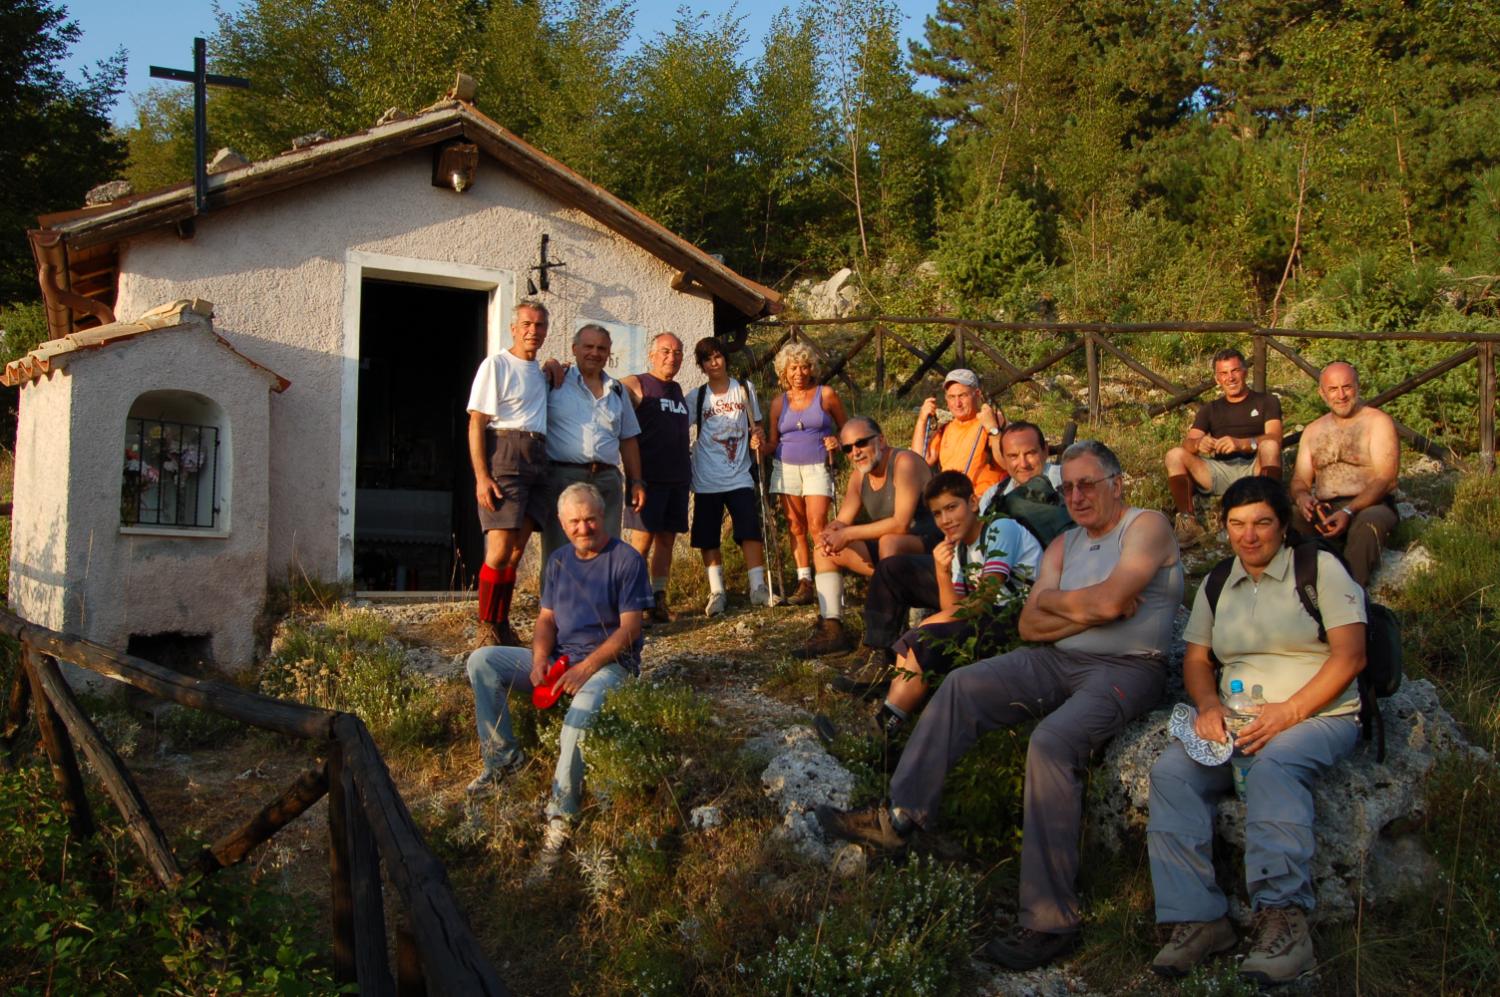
(368, 823)
(978, 345)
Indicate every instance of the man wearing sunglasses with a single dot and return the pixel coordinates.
(881, 511)
(1100, 614)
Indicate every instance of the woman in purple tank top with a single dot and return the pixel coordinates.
(805, 421)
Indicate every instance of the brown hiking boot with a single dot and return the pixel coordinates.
(828, 637)
(804, 595)
(658, 612)
(1021, 949)
(509, 637)
(871, 678)
(872, 825)
(1189, 531)
(1191, 943)
(1282, 949)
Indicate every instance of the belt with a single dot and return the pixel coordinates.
(593, 467)
(523, 433)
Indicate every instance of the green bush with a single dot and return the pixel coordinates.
(84, 918)
(906, 933)
(643, 734)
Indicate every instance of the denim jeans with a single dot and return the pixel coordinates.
(1278, 821)
(494, 672)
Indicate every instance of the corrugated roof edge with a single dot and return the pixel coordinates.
(183, 313)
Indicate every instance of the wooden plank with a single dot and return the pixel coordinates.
(770, 354)
(838, 368)
(214, 697)
(1487, 407)
(834, 370)
(1417, 380)
(1258, 362)
(1091, 360)
(409, 979)
(1181, 398)
(1013, 374)
(929, 360)
(451, 956)
(340, 889)
(372, 961)
(16, 711)
(111, 770)
(1295, 357)
(75, 800)
(1427, 446)
(1165, 384)
(232, 848)
(880, 359)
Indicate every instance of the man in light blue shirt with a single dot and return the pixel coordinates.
(591, 429)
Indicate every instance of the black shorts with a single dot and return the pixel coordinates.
(518, 463)
(933, 644)
(665, 511)
(708, 517)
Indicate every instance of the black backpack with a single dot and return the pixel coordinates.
(1382, 673)
(1036, 506)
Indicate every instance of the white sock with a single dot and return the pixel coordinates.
(757, 578)
(804, 574)
(716, 578)
(830, 586)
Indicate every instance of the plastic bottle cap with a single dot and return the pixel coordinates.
(1236, 686)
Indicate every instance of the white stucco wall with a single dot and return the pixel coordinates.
(69, 460)
(275, 270)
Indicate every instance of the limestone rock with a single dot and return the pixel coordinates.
(1397, 567)
(309, 140)
(107, 192)
(226, 159)
(391, 114)
(706, 817)
(800, 776)
(434, 665)
(835, 297)
(1363, 805)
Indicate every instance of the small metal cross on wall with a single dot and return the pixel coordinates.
(201, 80)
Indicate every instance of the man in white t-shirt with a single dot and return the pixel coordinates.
(508, 451)
(726, 417)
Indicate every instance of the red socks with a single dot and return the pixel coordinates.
(1270, 471)
(496, 586)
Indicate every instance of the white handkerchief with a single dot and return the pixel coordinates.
(1202, 751)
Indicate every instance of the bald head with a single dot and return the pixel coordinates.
(1338, 385)
(1340, 370)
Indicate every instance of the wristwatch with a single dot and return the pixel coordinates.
(992, 430)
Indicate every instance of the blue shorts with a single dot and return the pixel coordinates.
(708, 517)
(665, 511)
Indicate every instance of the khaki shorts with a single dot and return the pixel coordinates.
(801, 479)
(1224, 473)
(518, 463)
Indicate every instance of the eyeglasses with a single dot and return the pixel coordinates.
(1084, 486)
(866, 441)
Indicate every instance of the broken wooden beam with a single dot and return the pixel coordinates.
(232, 848)
(75, 800)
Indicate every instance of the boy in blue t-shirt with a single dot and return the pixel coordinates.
(596, 595)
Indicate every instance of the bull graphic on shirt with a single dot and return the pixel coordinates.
(731, 445)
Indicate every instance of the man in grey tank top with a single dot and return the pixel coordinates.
(1101, 614)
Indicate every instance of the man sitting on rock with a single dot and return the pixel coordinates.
(1101, 612)
(592, 606)
(970, 441)
(881, 512)
(1231, 437)
(1346, 471)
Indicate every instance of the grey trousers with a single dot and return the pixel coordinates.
(1278, 821)
(1363, 541)
(559, 476)
(1085, 700)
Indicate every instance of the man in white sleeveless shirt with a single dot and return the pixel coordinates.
(1101, 610)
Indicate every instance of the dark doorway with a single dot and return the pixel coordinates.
(415, 528)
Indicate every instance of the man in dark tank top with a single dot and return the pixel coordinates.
(665, 465)
(1100, 615)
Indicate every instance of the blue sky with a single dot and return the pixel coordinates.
(161, 32)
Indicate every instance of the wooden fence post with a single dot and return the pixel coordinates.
(341, 894)
(960, 347)
(15, 715)
(410, 981)
(1091, 359)
(372, 961)
(1259, 361)
(75, 801)
(1487, 406)
(880, 360)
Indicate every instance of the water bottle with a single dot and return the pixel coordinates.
(1243, 708)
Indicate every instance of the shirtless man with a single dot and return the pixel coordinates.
(1346, 471)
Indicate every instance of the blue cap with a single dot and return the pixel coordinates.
(1236, 686)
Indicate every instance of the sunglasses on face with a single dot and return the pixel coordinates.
(863, 442)
(1084, 486)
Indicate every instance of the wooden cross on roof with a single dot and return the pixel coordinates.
(201, 80)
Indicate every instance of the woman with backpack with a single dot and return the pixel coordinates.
(1304, 675)
(805, 422)
(726, 420)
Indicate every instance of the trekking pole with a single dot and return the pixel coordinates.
(770, 543)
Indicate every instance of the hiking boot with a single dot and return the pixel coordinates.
(804, 594)
(872, 825)
(1191, 943)
(870, 679)
(717, 603)
(488, 781)
(1189, 531)
(1021, 948)
(828, 637)
(658, 612)
(825, 730)
(760, 596)
(1282, 949)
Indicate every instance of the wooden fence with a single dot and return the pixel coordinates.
(979, 345)
(368, 823)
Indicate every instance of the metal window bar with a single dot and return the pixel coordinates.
(160, 491)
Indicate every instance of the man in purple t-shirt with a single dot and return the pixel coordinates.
(592, 605)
